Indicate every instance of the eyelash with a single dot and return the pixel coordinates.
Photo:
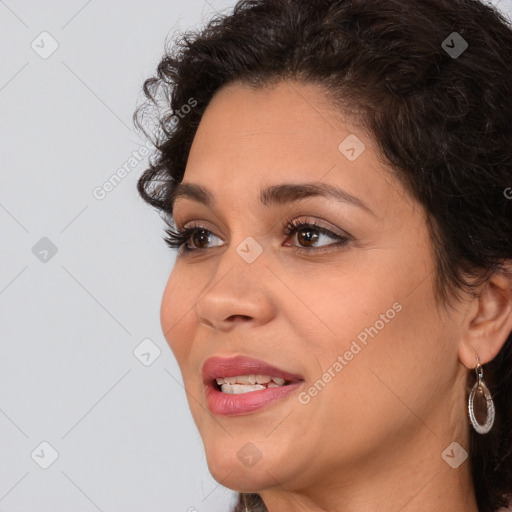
(178, 238)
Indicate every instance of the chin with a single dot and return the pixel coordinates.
(242, 466)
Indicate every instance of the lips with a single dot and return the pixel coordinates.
(217, 366)
(225, 404)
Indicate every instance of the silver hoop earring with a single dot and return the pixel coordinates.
(481, 388)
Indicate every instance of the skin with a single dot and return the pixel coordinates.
(372, 439)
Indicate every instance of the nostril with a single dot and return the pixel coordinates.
(234, 318)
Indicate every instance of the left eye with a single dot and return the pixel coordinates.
(311, 235)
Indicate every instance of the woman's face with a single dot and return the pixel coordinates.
(341, 304)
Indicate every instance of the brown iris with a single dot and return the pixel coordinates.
(200, 238)
(307, 237)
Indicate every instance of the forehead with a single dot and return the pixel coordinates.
(252, 138)
(290, 117)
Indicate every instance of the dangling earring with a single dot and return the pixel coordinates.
(481, 387)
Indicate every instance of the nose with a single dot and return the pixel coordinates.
(236, 296)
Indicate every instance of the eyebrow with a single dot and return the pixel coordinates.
(275, 194)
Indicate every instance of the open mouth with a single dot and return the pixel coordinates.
(248, 383)
(241, 385)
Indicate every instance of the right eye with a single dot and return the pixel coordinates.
(192, 238)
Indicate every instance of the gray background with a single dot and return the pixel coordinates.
(70, 321)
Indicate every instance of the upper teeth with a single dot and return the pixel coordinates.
(248, 383)
(250, 379)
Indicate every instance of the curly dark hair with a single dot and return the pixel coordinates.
(442, 121)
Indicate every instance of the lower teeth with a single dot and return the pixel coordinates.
(238, 389)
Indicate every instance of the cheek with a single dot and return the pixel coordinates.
(176, 309)
(396, 357)
(345, 303)
(377, 318)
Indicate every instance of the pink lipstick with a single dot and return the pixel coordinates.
(241, 385)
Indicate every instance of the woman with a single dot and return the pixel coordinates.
(335, 176)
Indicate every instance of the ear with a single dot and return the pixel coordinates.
(489, 321)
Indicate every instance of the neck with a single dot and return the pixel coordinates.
(411, 476)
